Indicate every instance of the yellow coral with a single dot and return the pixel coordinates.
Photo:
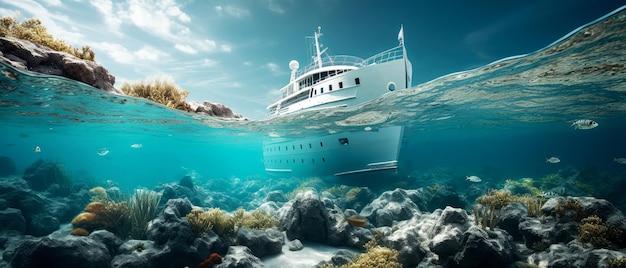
(376, 257)
(99, 194)
(79, 232)
(88, 221)
(257, 220)
(95, 207)
(198, 221)
(592, 230)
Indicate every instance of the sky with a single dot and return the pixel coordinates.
(236, 52)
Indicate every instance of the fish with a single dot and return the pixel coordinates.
(584, 124)
(553, 160)
(357, 220)
(473, 178)
(102, 151)
(136, 146)
(620, 160)
(549, 194)
(37, 149)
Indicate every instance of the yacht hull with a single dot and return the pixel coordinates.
(337, 154)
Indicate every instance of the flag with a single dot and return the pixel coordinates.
(401, 35)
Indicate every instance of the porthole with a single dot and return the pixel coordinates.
(391, 86)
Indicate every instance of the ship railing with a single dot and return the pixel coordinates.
(395, 53)
(337, 60)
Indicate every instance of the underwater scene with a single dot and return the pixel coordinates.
(519, 163)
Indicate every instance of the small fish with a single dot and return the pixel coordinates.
(553, 160)
(473, 178)
(584, 124)
(549, 194)
(102, 151)
(357, 220)
(136, 146)
(37, 149)
(620, 160)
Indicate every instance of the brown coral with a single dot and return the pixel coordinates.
(599, 234)
(79, 232)
(95, 207)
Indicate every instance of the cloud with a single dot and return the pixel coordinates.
(275, 7)
(247, 63)
(55, 3)
(226, 48)
(117, 52)
(149, 53)
(273, 67)
(232, 11)
(186, 49)
(105, 7)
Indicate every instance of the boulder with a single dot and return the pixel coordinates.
(396, 205)
(445, 197)
(41, 175)
(511, 217)
(240, 257)
(107, 238)
(295, 245)
(305, 218)
(38, 58)
(214, 109)
(574, 255)
(261, 243)
(72, 251)
(12, 219)
(484, 248)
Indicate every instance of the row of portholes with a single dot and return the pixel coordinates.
(293, 147)
(293, 161)
(313, 91)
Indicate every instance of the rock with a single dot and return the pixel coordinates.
(269, 207)
(3, 204)
(276, 196)
(443, 198)
(107, 238)
(214, 109)
(135, 254)
(42, 59)
(186, 181)
(261, 243)
(483, 248)
(305, 218)
(12, 219)
(340, 258)
(175, 191)
(7, 166)
(79, 252)
(239, 257)
(396, 205)
(511, 216)
(295, 245)
(357, 202)
(448, 232)
(42, 224)
(222, 201)
(540, 233)
(574, 255)
(41, 175)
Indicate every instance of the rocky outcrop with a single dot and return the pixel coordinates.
(240, 257)
(70, 251)
(215, 110)
(396, 205)
(33, 57)
(7, 166)
(261, 243)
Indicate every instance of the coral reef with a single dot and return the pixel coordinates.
(143, 208)
(599, 234)
(255, 220)
(199, 222)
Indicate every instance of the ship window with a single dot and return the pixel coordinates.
(300, 146)
(302, 159)
(340, 84)
(330, 87)
(294, 147)
(321, 144)
(324, 75)
(357, 81)
(313, 160)
(279, 149)
(321, 90)
(332, 73)
(311, 94)
(294, 160)
(316, 92)
(323, 159)
(310, 146)
(343, 141)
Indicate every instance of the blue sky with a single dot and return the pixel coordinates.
(236, 52)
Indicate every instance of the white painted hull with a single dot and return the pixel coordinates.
(335, 154)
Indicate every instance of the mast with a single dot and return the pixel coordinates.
(404, 56)
(318, 54)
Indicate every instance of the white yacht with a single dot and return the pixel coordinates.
(330, 82)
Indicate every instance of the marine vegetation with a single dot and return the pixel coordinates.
(599, 234)
(159, 90)
(533, 205)
(213, 219)
(143, 208)
(375, 257)
(256, 220)
(344, 191)
(32, 30)
(569, 208)
(99, 194)
(551, 181)
(522, 186)
(312, 183)
(117, 216)
(435, 187)
(199, 222)
(491, 203)
(617, 263)
(583, 187)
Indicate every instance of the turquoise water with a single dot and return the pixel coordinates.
(499, 122)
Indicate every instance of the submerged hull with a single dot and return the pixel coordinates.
(338, 154)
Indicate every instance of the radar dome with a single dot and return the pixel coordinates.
(294, 65)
